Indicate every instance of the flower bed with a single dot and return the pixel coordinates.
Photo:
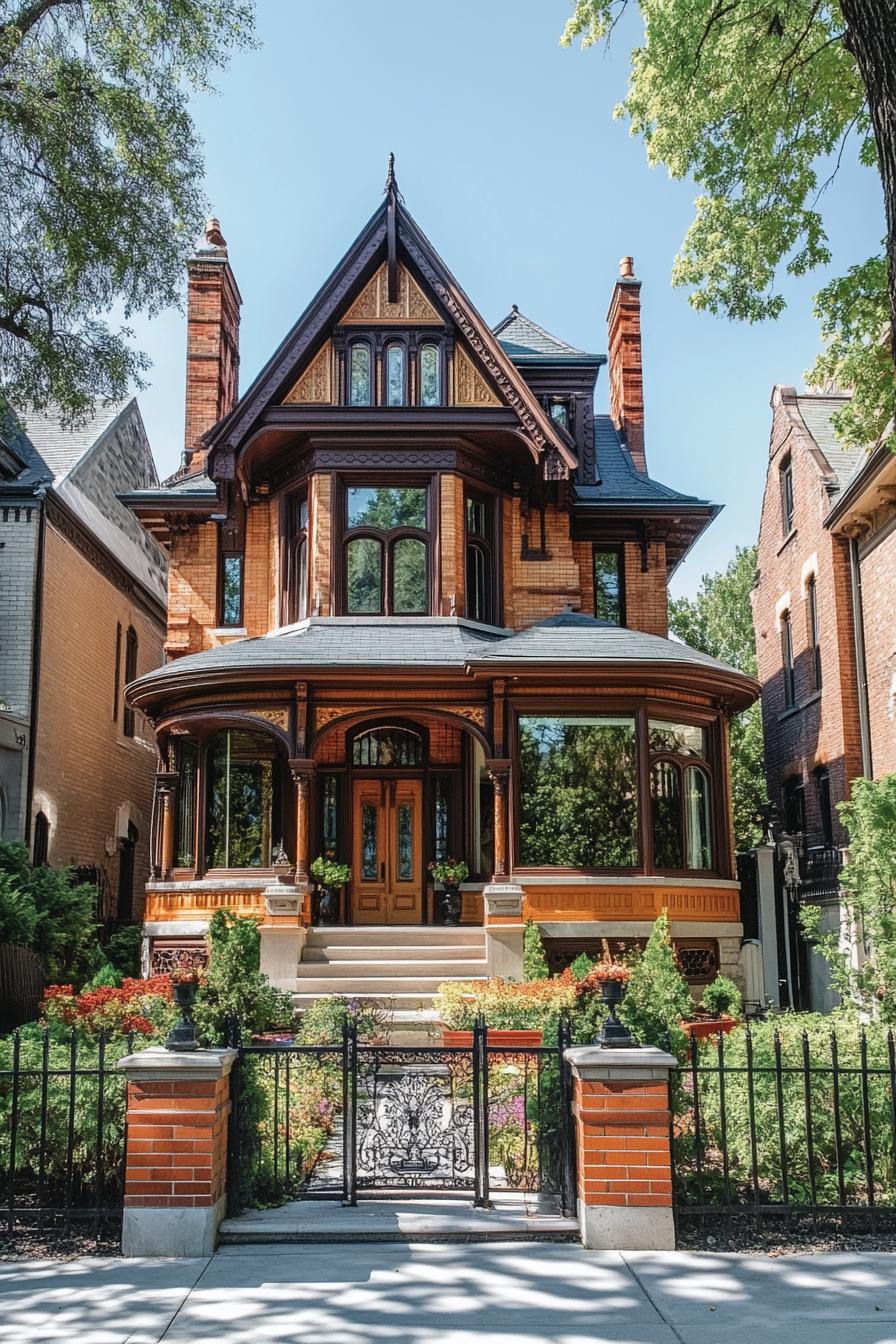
(505, 1005)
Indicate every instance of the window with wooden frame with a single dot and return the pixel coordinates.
(395, 374)
(386, 545)
(812, 622)
(297, 559)
(130, 673)
(359, 366)
(787, 659)
(429, 374)
(680, 796)
(786, 482)
(480, 557)
(609, 584)
(231, 596)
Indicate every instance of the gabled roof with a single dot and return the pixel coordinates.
(817, 410)
(62, 449)
(352, 272)
(526, 342)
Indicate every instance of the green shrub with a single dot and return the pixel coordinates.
(123, 949)
(722, 998)
(581, 966)
(106, 978)
(657, 998)
(506, 1005)
(535, 963)
(322, 1023)
(820, 1106)
(46, 911)
(235, 989)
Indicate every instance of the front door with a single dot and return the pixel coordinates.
(387, 869)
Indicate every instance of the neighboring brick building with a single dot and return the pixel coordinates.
(82, 608)
(418, 607)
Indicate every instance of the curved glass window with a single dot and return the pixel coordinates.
(364, 577)
(430, 375)
(185, 818)
(696, 792)
(395, 375)
(665, 793)
(359, 375)
(388, 748)
(680, 795)
(243, 801)
(578, 791)
(409, 597)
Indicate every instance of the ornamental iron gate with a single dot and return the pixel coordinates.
(349, 1120)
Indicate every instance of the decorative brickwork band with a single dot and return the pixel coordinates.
(624, 1163)
(177, 1114)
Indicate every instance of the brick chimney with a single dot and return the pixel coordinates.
(626, 380)
(213, 336)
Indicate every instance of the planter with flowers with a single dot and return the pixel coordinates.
(329, 877)
(719, 1011)
(610, 978)
(517, 1014)
(448, 874)
(185, 980)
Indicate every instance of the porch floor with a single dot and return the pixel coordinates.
(428, 1218)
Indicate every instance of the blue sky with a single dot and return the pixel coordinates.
(509, 159)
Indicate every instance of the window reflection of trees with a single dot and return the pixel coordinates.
(243, 801)
(386, 550)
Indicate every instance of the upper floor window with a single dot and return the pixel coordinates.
(787, 496)
(680, 795)
(232, 590)
(386, 550)
(787, 659)
(480, 558)
(559, 411)
(430, 361)
(794, 798)
(130, 673)
(814, 640)
(608, 584)
(360, 377)
(297, 575)
(395, 374)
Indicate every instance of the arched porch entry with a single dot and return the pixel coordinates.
(394, 794)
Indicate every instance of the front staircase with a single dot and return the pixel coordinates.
(398, 967)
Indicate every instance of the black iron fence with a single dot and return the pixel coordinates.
(787, 1122)
(62, 1135)
(354, 1119)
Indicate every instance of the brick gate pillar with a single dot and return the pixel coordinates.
(622, 1118)
(175, 1175)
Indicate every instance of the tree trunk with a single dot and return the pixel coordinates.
(871, 37)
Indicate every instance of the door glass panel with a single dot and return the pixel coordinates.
(365, 577)
(442, 786)
(405, 842)
(368, 842)
(330, 812)
(409, 579)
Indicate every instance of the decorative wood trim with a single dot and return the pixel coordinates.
(373, 305)
(470, 388)
(315, 386)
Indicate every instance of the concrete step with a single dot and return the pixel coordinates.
(318, 953)
(394, 999)
(361, 986)
(431, 968)
(396, 935)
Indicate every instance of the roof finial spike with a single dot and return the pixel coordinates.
(391, 187)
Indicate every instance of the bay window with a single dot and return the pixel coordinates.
(386, 550)
(243, 800)
(680, 796)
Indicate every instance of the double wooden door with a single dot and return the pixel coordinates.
(387, 867)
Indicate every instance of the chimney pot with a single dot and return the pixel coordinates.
(627, 267)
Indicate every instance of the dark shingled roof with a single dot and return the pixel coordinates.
(524, 340)
(817, 408)
(618, 481)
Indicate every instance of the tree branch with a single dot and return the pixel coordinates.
(32, 14)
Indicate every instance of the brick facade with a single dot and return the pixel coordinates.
(213, 321)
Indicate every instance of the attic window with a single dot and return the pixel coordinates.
(430, 374)
(359, 374)
(559, 410)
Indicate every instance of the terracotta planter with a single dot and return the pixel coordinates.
(702, 1028)
(503, 1038)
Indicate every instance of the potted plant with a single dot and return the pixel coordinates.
(610, 977)
(329, 877)
(448, 874)
(515, 1012)
(185, 978)
(719, 1011)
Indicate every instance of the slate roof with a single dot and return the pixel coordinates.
(62, 449)
(817, 409)
(618, 481)
(524, 340)
(449, 642)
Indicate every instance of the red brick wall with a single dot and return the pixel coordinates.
(177, 1143)
(622, 1138)
(624, 363)
(213, 320)
(878, 579)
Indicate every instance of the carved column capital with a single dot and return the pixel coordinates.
(302, 771)
(498, 770)
(166, 781)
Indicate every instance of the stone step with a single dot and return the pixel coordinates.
(316, 954)
(430, 967)
(360, 987)
(403, 999)
(396, 935)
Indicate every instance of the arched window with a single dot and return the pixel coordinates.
(41, 846)
(480, 558)
(395, 375)
(243, 800)
(680, 796)
(388, 748)
(130, 673)
(386, 543)
(360, 382)
(430, 375)
(126, 856)
(787, 659)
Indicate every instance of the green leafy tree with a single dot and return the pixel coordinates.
(754, 102)
(235, 989)
(719, 622)
(100, 181)
(45, 910)
(869, 901)
(657, 997)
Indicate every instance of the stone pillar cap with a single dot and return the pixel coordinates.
(171, 1065)
(588, 1057)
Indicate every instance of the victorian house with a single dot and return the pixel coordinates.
(417, 609)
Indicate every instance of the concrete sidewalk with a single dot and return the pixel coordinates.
(454, 1294)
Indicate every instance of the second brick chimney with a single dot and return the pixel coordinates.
(213, 335)
(626, 380)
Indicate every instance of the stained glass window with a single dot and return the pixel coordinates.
(442, 788)
(359, 375)
(388, 747)
(369, 815)
(329, 793)
(430, 376)
(395, 380)
(405, 842)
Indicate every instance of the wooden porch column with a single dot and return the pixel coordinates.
(303, 773)
(499, 774)
(166, 784)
